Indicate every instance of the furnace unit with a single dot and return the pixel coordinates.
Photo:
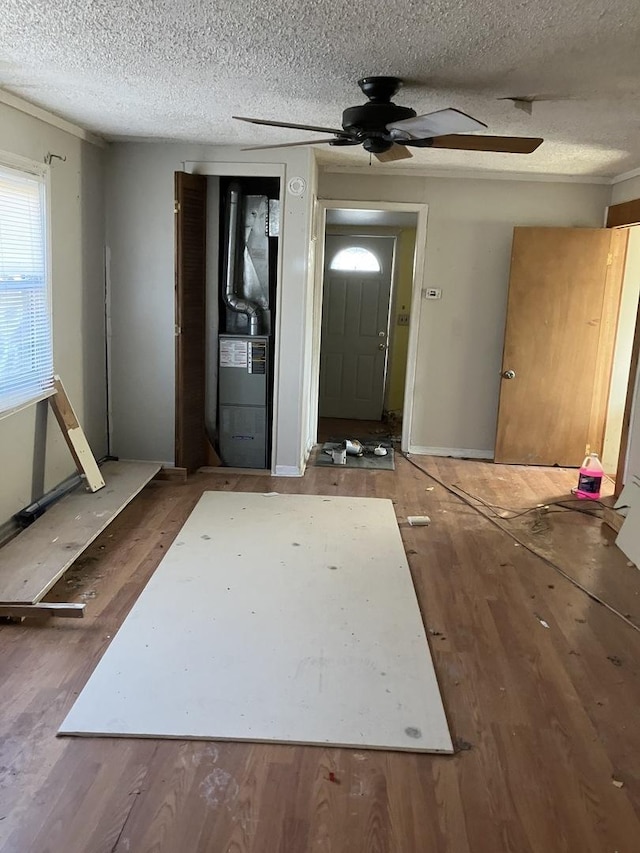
(244, 345)
(244, 395)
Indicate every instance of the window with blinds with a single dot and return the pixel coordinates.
(26, 356)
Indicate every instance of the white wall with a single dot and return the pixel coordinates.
(622, 353)
(140, 234)
(626, 191)
(33, 455)
(469, 235)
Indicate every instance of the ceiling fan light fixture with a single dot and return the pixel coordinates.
(376, 144)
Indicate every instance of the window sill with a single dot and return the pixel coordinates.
(44, 395)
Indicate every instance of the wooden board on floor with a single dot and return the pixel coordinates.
(285, 618)
(42, 610)
(75, 437)
(36, 558)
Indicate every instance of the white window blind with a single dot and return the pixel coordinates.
(26, 357)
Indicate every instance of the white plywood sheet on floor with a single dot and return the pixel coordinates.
(288, 618)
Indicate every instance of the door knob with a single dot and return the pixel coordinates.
(382, 346)
(509, 374)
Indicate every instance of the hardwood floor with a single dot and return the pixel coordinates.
(546, 719)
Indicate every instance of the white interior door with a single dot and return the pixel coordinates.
(355, 326)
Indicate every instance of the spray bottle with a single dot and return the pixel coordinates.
(590, 478)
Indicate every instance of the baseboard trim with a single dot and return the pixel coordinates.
(288, 471)
(173, 475)
(457, 452)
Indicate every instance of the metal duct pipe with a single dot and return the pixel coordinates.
(232, 250)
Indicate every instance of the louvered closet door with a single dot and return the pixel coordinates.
(190, 233)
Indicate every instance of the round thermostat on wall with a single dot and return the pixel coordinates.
(297, 186)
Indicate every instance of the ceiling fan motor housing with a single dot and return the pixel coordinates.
(370, 120)
(374, 117)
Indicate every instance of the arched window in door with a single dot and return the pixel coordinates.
(355, 259)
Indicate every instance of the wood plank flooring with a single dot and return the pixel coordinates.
(546, 719)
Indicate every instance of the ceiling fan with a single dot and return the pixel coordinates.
(387, 131)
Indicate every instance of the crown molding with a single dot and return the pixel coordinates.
(48, 117)
(626, 176)
(467, 174)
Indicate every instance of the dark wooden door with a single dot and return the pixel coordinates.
(190, 236)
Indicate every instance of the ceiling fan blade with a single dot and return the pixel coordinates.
(435, 124)
(339, 132)
(505, 144)
(289, 144)
(396, 152)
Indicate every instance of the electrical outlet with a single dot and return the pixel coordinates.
(403, 320)
(432, 293)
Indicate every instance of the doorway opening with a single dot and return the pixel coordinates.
(366, 314)
(228, 259)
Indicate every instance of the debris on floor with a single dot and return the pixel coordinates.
(418, 520)
(617, 783)
(540, 523)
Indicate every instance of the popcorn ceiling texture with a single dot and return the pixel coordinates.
(178, 69)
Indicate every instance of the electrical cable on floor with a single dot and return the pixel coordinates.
(493, 520)
(517, 513)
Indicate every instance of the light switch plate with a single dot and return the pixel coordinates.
(432, 292)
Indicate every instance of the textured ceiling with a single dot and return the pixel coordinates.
(178, 70)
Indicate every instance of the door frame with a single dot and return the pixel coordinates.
(259, 170)
(319, 231)
(624, 215)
